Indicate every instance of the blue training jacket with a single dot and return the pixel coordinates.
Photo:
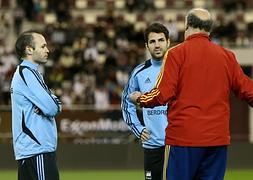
(143, 79)
(32, 133)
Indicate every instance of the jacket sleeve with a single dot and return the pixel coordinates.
(129, 109)
(38, 93)
(166, 86)
(242, 85)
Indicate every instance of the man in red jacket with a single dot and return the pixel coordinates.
(196, 80)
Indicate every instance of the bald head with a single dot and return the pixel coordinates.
(202, 14)
(199, 19)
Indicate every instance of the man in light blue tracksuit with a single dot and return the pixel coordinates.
(34, 107)
(143, 78)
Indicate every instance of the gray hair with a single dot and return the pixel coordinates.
(195, 22)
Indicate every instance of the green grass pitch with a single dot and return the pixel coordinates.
(119, 174)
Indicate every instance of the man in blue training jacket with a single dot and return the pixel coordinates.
(143, 78)
(34, 107)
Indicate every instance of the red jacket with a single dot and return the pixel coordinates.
(196, 80)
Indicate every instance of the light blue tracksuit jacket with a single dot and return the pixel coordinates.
(33, 133)
(143, 79)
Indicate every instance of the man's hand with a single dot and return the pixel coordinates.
(58, 102)
(37, 110)
(145, 135)
(134, 96)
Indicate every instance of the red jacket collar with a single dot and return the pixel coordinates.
(198, 35)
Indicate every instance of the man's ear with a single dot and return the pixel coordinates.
(29, 50)
(168, 40)
(146, 45)
(186, 27)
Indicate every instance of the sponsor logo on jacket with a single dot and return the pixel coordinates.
(148, 80)
(156, 112)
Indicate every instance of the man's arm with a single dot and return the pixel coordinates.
(166, 86)
(38, 93)
(242, 85)
(129, 110)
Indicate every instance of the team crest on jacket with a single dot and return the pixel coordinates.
(147, 80)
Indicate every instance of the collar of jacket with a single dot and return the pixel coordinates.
(198, 35)
(29, 64)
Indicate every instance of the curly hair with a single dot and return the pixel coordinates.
(157, 28)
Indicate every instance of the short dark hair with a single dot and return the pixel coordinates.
(157, 28)
(196, 22)
(25, 39)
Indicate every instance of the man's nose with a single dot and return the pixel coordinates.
(157, 44)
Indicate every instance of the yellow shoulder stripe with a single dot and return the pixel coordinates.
(162, 68)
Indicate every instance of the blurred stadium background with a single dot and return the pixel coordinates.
(94, 46)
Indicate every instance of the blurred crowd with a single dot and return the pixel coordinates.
(89, 64)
